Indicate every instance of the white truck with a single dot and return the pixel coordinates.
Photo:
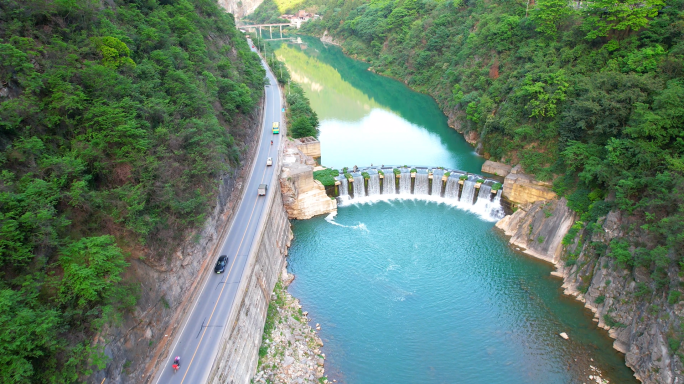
(262, 189)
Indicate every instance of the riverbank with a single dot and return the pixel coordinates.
(290, 350)
(644, 323)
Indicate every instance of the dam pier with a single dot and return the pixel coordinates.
(465, 190)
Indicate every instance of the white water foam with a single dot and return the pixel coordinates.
(486, 212)
(331, 219)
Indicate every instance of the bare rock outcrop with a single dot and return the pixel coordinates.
(539, 228)
(494, 168)
(326, 38)
(303, 196)
(240, 8)
(522, 188)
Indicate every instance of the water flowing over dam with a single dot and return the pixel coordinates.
(410, 282)
(462, 190)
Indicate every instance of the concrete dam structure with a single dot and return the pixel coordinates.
(464, 190)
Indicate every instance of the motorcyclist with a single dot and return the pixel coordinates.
(271, 142)
(176, 363)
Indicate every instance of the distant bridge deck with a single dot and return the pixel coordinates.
(293, 23)
(265, 25)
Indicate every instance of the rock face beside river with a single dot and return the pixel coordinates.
(539, 227)
(626, 303)
(522, 188)
(290, 352)
(240, 8)
(499, 169)
(303, 196)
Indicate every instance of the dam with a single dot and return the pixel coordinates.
(409, 280)
(467, 191)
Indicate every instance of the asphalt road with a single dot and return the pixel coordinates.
(198, 341)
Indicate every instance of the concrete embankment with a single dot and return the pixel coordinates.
(299, 197)
(238, 354)
(625, 302)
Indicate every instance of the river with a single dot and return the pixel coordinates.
(412, 291)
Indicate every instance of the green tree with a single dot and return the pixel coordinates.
(302, 127)
(92, 265)
(605, 16)
(115, 53)
(548, 14)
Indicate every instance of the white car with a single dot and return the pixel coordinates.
(269, 161)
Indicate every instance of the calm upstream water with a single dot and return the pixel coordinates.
(411, 291)
(369, 119)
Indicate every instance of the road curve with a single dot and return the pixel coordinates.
(199, 338)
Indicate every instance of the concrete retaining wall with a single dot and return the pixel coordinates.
(238, 354)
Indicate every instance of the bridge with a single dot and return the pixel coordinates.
(294, 23)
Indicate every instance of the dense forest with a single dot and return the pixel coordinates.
(117, 119)
(588, 95)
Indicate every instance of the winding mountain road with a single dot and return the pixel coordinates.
(198, 341)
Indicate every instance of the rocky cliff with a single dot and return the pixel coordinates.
(240, 8)
(645, 324)
(303, 196)
(539, 228)
(522, 188)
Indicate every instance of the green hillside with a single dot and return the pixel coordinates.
(589, 96)
(116, 119)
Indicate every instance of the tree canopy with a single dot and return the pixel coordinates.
(116, 121)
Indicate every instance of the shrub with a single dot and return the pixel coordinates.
(348, 175)
(673, 297)
(365, 175)
(397, 171)
(463, 177)
(413, 170)
(619, 249)
(600, 299)
(447, 174)
(326, 176)
(380, 172)
(496, 186)
(572, 233)
(480, 181)
(641, 290)
(612, 322)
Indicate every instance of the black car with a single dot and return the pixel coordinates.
(221, 264)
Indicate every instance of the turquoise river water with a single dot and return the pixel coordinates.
(414, 291)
